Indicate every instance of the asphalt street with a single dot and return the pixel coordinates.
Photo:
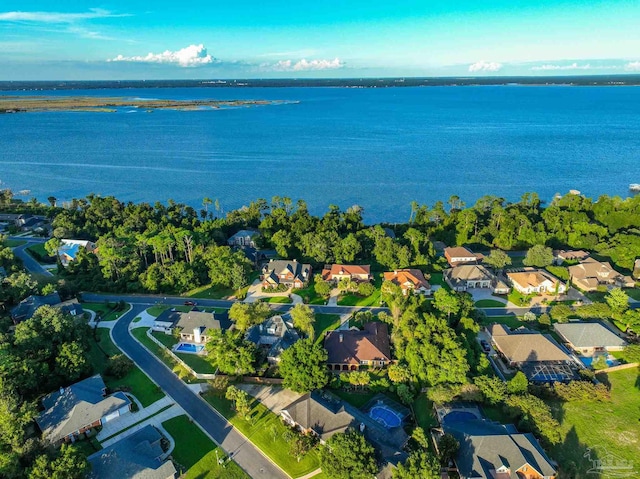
(242, 451)
(31, 264)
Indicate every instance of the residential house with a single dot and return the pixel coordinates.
(276, 334)
(533, 280)
(591, 273)
(69, 249)
(347, 350)
(409, 280)
(337, 272)
(460, 255)
(29, 305)
(138, 456)
(589, 338)
(467, 276)
(560, 256)
(319, 415)
(538, 355)
(194, 326)
(27, 222)
(71, 307)
(244, 238)
(290, 273)
(489, 450)
(74, 410)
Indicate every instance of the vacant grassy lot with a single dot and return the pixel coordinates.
(211, 292)
(489, 303)
(324, 323)
(10, 243)
(266, 431)
(604, 427)
(135, 381)
(195, 453)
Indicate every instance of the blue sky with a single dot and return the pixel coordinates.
(45, 40)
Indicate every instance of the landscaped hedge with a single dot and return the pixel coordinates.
(281, 288)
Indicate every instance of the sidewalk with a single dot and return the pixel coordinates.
(122, 422)
(156, 421)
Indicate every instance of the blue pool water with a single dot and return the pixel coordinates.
(588, 360)
(459, 416)
(385, 416)
(189, 348)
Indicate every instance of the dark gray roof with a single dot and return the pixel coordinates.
(325, 417)
(137, 456)
(486, 446)
(77, 406)
(29, 305)
(189, 321)
(588, 335)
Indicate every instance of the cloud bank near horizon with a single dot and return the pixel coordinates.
(191, 56)
(59, 17)
(305, 65)
(483, 66)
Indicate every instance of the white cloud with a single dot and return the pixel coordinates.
(483, 66)
(190, 56)
(58, 17)
(632, 66)
(573, 66)
(305, 65)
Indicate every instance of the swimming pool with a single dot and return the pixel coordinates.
(385, 416)
(189, 348)
(587, 360)
(459, 416)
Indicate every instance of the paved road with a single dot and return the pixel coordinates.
(242, 451)
(31, 264)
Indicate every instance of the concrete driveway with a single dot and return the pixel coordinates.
(255, 294)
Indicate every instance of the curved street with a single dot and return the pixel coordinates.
(243, 452)
(29, 262)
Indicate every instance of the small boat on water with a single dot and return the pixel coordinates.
(634, 187)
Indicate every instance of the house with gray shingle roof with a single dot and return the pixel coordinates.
(138, 456)
(588, 338)
(74, 410)
(290, 273)
(244, 238)
(469, 276)
(495, 451)
(29, 305)
(276, 334)
(194, 326)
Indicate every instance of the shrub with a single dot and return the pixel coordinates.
(281, 288)
(582, 391)
(529, 316)
(119, 366)
(366, 289)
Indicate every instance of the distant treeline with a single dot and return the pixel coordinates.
(578, 80)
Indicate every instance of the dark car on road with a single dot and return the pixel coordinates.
(485, 346)
(190, 303)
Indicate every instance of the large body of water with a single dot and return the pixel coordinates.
(378, 148)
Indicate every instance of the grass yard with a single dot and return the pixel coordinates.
(211, 292)
(508, 320)
(278, 300)
(437, 279)
(39, 253)
(423, 410)
(324, 323)
(195, 453)
(163, 355)
(356, 399)
(265, 430)
(197, 363)
(604, 427)
(357, 300)
(167, 339)
(157, 310)
(309, 295)
(633, 293)
(560, 272)
(518, 298)
(135, 381)
(10, 243)
(489, 303)
(106, 312)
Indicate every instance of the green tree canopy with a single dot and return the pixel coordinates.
(539, 255)
(419, 465)
(303, 319)
(348, 456)
(497, 259)
(302, 366)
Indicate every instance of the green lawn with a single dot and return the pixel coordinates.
(195, 453)
(438, 279)
(106, 312)
(167, 339)
(278, 300)
(423, 410)
(357, 300)
(198, 363)
(309, 295)
(157, 310)
(604, 427)
(508, 320)
(163, 355)
(518, 298)
(633, 293)
(211, 292)
(560, 272)
(324, 323)
(136, 381)
(265, 430)
(10, 243)
(39, 252)
(357, 399)
(489, 303)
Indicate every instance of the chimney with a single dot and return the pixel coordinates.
(197, 337)
(341, 337)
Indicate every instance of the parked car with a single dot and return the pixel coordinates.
(190, 303)
(485, 346)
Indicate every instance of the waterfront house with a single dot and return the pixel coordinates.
(460, 255)
(531, 281)
(337, 272)
(589, 338)
(468, 276)
(69, 249)
(561, 256)
(348, 350)
(287, 272)
(489, 450)
(590, 274)
(244, 238)
(538, 355)
(137, 456)
(409, 280)
(73, 410)
(319, 415)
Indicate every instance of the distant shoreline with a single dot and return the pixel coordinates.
(31, 103)
(578, 80)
